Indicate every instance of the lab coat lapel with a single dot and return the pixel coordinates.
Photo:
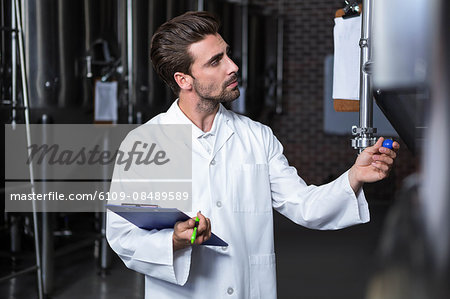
(225, 131)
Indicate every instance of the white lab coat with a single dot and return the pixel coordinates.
(236, 187)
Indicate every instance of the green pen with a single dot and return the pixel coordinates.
(194, 233)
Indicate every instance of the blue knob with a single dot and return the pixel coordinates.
(388, 143)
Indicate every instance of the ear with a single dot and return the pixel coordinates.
(183, 80)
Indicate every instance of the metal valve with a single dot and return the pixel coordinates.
(364, 138)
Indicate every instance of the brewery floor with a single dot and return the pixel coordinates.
(310, 265)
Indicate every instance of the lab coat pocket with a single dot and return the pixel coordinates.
(251, 190)
(263, 276)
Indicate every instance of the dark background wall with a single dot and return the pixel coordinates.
(308, 30)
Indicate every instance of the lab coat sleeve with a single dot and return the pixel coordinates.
(330, 206)
(148, 252)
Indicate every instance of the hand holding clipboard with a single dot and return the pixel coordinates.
(147, 217)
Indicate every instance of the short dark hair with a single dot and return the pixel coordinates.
(170, 43)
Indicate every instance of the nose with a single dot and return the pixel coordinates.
(232, 67)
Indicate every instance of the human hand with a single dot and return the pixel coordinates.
(182, 232)
(373, 164)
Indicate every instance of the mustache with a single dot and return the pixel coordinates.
(232, 79)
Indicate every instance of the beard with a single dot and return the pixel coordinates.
(209, 101)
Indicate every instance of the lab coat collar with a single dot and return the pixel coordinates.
(223, 128)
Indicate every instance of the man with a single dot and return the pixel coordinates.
(240, 176)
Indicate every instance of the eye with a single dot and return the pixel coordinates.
(215, 62)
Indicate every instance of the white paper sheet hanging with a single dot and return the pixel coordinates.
(106, 101)
(347, 33)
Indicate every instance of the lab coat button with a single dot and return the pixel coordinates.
(224, 248)
(219, 203)
(230, 291)
(213, 162)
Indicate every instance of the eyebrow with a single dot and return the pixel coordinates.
(217, 56)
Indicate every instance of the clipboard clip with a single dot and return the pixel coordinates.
(351, 9)
(139, 205)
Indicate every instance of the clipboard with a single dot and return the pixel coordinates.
(149, 218)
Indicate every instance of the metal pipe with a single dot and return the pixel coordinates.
(28, 136)
(244, 67)
(151, 73)
(15, 238)
(130, 60)
(364, 133)
(48, 252)
(87, 83)
(365, 91)
(48, 248)
(200, 5)
(87, 25)
(2, 32)
(105, 254)
(13, 64)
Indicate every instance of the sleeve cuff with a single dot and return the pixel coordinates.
(362, 205)
(182, 264)
(173, 266)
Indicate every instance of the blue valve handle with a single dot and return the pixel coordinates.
(388, 143)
